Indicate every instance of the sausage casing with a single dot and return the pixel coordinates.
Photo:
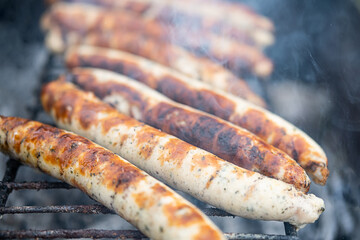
(148, 204)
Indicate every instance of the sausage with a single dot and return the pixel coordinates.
(227, 141)
(85, 18)
(168, 55)
(266, 125)
(181, 165)
(244, 25)
(148, 204)
(139, 68)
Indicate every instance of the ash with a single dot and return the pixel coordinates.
(314, 86)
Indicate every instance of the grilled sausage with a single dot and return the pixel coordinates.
(213, 134)
(244, 25)
(148, 204)
(190, 169)
(168, 55)
(139, 68)
(85, 19)
(271, 128)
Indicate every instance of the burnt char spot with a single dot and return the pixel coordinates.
(172, 120)
(175, 151)
(225, 145)
(180, 214)
(204, 100)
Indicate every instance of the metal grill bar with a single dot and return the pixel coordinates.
(10, 173)
(97, 233)
(87, 209)
(290, 230)
(35, 185)
(62, 233)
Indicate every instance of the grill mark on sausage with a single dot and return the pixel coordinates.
(175, 151)
(180, 215)
(146, 139)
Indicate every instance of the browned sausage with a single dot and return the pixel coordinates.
(83, 18)
(148, 204)
(231, 20)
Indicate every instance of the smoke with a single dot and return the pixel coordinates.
(314, 85)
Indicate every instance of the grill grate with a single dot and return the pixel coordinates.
(53, 68)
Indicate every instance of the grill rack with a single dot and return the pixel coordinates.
(52, 68)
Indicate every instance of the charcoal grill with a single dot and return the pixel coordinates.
(53, 67)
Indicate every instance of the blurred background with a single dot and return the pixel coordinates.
(314, 85)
